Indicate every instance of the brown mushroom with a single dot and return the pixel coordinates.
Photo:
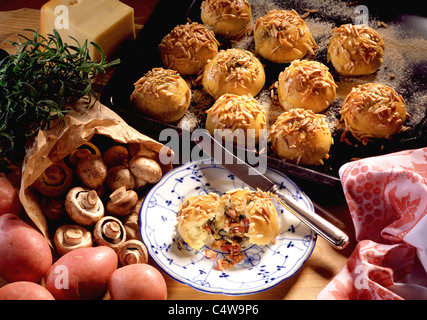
(92, 171)
(115, 156)
(109, 231)
(122, 202)
(145, 170)
(55, 181)
(53, 208)
(84, 206)
(70, 237)
(83, 151)
(132, 251)
(120, 176)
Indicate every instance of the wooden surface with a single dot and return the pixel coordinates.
(325, 261)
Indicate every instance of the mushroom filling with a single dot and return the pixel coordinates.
(231, 235)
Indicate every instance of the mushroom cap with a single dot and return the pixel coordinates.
(115, 156)
(122, 202)
(145, 169)
(120, 176)
(92, 171)
(55, 181)
(109, 231)
(70, 237)
(84, 206)
(132, 251)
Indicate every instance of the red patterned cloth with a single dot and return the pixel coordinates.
(387, 199)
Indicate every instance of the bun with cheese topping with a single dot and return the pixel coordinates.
(227, 18)
(162, 94)
(262, 225)
(239, 215)
(307, 85)
(355, 50)
(233, 112)
(187, 48)
(282, 36)
(234, 71)
(194, 214)
(301, 136)
(373, 110)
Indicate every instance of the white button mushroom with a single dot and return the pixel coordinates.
(92, 171)
(122, 202)
(70, 237)
(145, 170)
(132, 251)
(109, 231)
(84, 206)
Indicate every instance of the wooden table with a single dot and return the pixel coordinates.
(325, 261)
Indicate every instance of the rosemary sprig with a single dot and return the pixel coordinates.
(37, 83)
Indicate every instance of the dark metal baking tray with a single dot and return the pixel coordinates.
(141, 55)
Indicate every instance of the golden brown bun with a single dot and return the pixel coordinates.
(301, 136)
(227, 18)
(233, 112)
(355, 50)
(307, 85)
(258, 208)
(194, 212)
(282, 36)
(373, 110)
(162, 94)
(187, 48)
(233, 71)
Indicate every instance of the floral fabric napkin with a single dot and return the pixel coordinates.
(387, 199)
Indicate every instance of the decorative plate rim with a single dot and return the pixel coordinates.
(296, 267)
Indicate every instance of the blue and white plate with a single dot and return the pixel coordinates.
(263, 267)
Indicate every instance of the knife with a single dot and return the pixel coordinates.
(255, 179)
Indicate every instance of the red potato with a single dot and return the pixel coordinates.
(137, 281)
(82, 274)
(25, 254)
(24, 290)
(9, 199)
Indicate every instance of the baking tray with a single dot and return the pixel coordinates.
(405, 36)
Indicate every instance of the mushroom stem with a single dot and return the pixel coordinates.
(90, 200)
(112, 231)
(73, 237)
(132, 256)
(118, 194)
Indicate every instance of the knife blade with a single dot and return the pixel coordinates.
(255, 179)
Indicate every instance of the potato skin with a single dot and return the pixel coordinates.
(24, 290)
(139, 281)
(9, 199)
(25, 254)
(82, 274)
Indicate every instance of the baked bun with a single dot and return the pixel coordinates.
(229, 221)
(187, 48)
(162, 94)
(233, 112)
(227, 18)
(235, 71)
(301, 136)
(256, 206)
(355, 50)
(194, 213)
(282, 36)
(373, 110)
(307, 85)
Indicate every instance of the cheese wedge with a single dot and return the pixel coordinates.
(106, 22)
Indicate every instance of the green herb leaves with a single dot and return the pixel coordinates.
(36, 85)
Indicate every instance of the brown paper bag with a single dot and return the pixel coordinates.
(56, 143)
